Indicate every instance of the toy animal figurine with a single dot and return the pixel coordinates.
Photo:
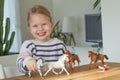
(103, 68)
(58, 64)
(29, 74)
(40, 62)
(72, 59)
(73, 52)
(95, 57)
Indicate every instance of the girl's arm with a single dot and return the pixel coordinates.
(22, 59)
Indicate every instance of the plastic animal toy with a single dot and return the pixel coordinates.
(95, 57)
(29, 73)
(72, 59)
(58, 64)
(103, 68)
(40, 62)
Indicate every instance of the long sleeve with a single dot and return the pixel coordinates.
(24, 55)
(20, 64)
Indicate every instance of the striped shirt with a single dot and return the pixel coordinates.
(50, 51)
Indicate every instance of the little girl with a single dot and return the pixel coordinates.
(40, 25)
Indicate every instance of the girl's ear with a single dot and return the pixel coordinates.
(52, 24)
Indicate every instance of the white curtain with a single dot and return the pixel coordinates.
(11, 9)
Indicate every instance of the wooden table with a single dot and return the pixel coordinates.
(80, 73)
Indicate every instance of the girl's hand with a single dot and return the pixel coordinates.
(31, 65)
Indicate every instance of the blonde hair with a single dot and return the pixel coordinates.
(39, 9)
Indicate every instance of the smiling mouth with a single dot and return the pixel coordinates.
(41, 34)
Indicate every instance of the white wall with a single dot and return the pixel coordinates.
(111, 28)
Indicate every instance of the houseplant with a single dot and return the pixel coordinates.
(57, 32)
(6, 39)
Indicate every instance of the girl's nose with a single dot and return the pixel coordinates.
(40, 28)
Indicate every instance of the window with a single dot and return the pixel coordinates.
(11, 10)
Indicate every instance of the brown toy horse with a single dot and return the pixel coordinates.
(72, 59)
(95, 57)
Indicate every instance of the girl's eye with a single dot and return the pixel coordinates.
(44, 24)
(35, 26)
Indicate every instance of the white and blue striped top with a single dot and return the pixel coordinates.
(49, 51)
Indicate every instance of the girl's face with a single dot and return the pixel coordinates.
(40, 26)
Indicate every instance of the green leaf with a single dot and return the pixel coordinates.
(96, 4)
(1, 11)
(7, 29)
(9, 43)
(1, 49)
(56, 25)
(1, 34)
(7, 47)
(12, 38)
